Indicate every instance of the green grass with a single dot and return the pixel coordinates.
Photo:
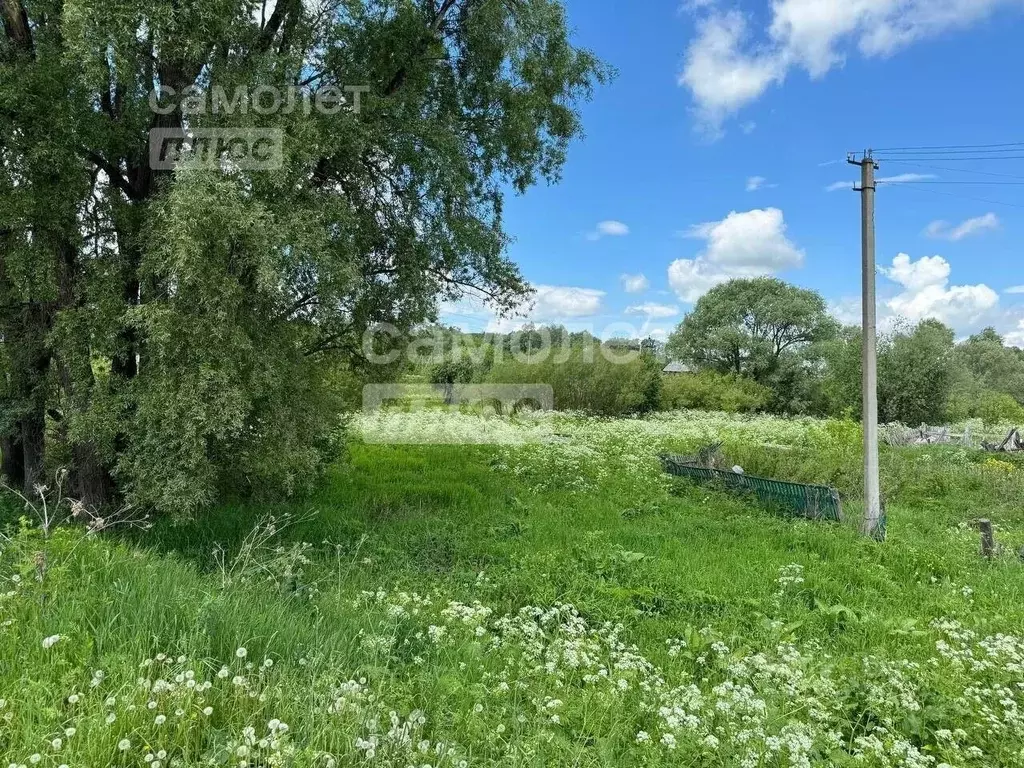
(342, 593)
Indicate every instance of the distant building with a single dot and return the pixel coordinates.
(677, 368)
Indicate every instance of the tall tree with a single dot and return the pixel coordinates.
(178, 330)
(760, 328)
(915, 373)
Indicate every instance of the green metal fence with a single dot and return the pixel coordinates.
(815, 502)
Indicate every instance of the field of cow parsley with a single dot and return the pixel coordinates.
(547, 599)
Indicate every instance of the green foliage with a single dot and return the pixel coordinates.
(709, 390)
(746, 326)
(915, 376)
(591, 379)
(183, 329)
(993, 408)
(761, 328)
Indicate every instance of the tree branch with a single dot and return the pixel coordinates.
(113, 174)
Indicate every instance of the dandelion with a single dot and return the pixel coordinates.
(56, 744)
(111, 718)
(207, 711)
(123, 745)
(241, 653)
(35, 758)
(160, 719)
(643, 737)
(52, 640)
(69, 732)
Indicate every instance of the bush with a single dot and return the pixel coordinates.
(713, 391)
(587, 380)
(999, 408)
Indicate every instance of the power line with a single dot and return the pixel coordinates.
(951, 146)
(950, 194)
(958, 170)
(947, 158)
(1006, 183)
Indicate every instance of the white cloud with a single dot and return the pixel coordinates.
(906, 178)
(634, 283)
(555, 302)
(754, 183)
(838, 185)
(903, 178)
(943, 231)
(745, 244)
(653, 311)
(847, 311)
(720, 75)
(549, 304)
(927, 293)
(608, 229)
(1015, 338)
(726, 68)
(1014, 289)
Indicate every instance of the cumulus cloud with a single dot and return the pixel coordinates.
(745, 244)
(1015, 338)
(634, 283)
(943, 230)
(902, 178)
(553, 302)
(754, 183)
(926, 293)
(727, 67)
(608, 229)
(652, 311)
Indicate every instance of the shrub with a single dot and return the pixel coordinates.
(999, 408)
(713, 391)
(588, 380)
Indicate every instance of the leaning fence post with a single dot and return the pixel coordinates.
(988, 542)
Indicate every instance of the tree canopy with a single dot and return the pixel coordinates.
(746, 326)
(169, 334)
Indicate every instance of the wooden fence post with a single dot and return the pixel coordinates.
(988, 542)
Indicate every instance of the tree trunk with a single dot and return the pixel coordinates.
(90, 481)
(12, 460)
(33, 445)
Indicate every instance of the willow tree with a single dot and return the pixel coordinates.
(170, 332)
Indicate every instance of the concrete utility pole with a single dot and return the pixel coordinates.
(872, 523)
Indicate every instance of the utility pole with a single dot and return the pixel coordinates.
(872, 524)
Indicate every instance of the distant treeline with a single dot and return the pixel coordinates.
(751, 345)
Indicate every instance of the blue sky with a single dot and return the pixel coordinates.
(713, 94)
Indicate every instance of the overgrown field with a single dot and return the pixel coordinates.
(555, 600)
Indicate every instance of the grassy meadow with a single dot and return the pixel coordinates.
(550, 600)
